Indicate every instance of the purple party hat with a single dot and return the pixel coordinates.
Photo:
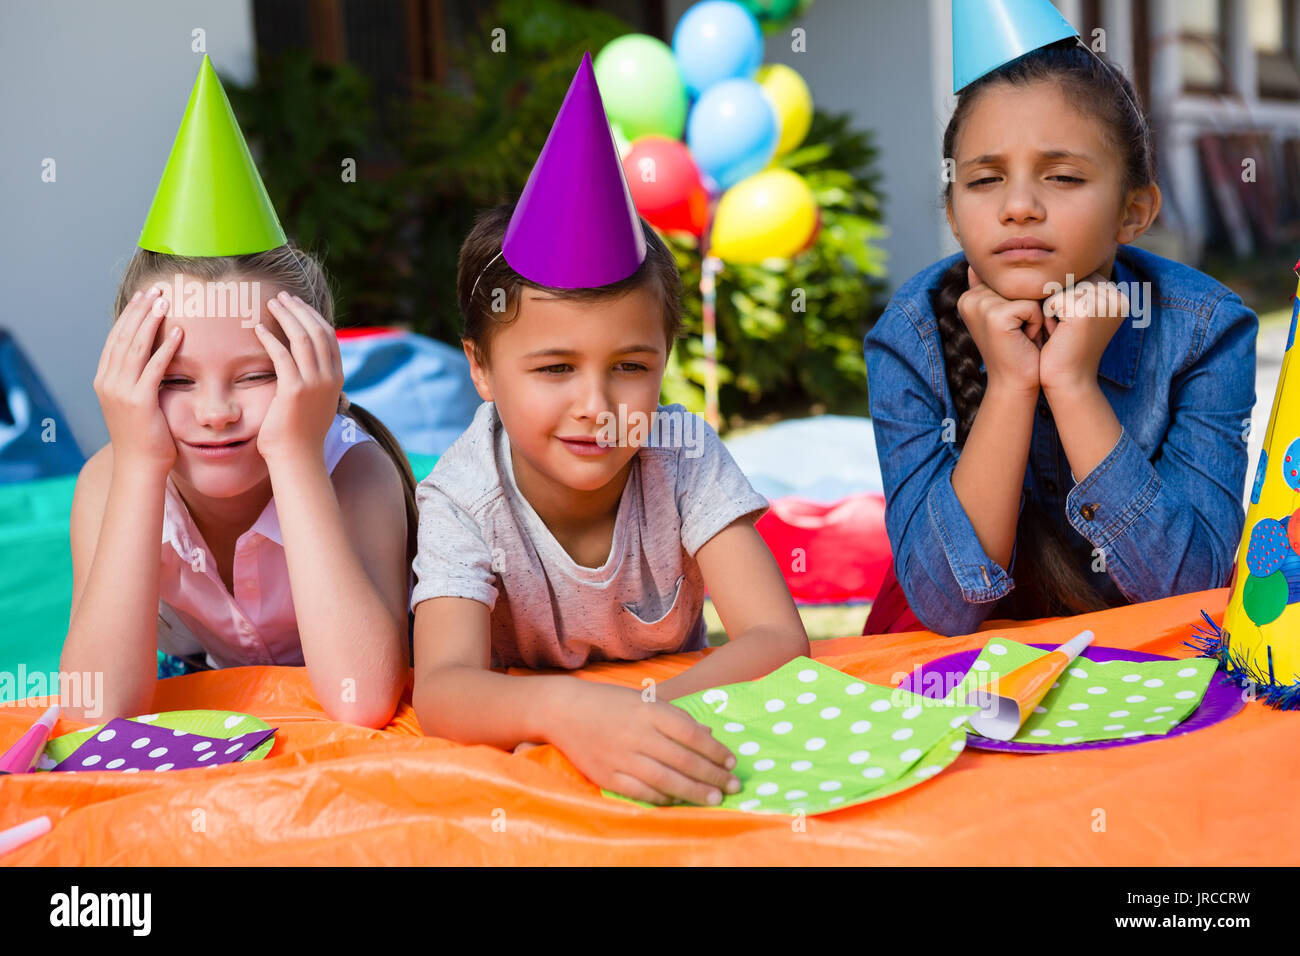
(575, 225)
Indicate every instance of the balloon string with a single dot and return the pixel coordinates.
(709, 269)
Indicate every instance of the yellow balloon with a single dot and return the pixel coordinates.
(770, 215)
(791, 99)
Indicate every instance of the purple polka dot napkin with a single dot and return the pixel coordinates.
(131, 747)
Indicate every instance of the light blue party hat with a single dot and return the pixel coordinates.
(989, 33)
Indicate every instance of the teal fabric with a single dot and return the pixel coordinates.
(35, 574)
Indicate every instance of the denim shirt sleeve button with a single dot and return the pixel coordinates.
(1088, 511)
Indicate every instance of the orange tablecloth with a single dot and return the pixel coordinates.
(333, 793)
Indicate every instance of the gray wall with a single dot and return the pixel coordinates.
(99, 88)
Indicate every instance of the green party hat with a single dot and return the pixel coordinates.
(210, 200)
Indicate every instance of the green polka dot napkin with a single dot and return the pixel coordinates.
(1097, 701)
(810, 738)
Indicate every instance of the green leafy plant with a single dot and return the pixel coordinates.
(307, 120)
(790, 331)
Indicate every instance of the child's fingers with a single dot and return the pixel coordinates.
(300, 344)
(128, 324)
(671, 782)
(300, 348)
(695, 767)
(322, 336)
(332, 339)
(111, 339)
(140, 349)
(285, 369)
(151, 377)
(972, 279)
(313, 339)
(630, 786)
(680, 727)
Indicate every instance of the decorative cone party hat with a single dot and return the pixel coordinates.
(988, 33)
(575, 225)
(1259, 643)
(210, 200)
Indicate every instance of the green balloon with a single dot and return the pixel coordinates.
(641, 88)
(1264, 598)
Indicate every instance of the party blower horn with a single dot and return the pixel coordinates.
(21, 757)
(1008, 701)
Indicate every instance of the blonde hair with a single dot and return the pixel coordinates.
(299, 274)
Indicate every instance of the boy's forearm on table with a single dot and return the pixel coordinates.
(472, 705)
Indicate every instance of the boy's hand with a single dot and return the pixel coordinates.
(648, 751)
(1007, 332)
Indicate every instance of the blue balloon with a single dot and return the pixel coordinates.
(714, 41)
(732, 131)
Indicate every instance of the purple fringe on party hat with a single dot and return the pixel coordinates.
(575, 225)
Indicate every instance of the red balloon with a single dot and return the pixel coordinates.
(666, 185)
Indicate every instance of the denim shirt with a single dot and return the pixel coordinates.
(1163, 508)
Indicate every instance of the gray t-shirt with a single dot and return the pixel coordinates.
(481, 539)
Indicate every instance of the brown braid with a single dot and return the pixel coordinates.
(1048, 580)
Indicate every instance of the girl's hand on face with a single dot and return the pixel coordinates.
(1080, 323)
(1008, 333)
(649, 751)
(127, 382)
(309, 380)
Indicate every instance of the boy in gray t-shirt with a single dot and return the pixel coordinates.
(577, 519)
(481, 539)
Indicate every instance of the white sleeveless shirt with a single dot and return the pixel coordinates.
(255, 625)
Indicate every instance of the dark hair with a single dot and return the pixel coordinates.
(298, 272)
(480, 263)
(1049, 582)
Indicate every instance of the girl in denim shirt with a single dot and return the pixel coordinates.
(1061, 418)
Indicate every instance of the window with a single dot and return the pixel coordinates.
(1272, 39)
(1201, 45)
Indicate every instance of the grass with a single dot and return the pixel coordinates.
(821, 621)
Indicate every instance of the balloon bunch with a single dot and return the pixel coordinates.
(737, 117)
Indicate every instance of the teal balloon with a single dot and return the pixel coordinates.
(640, 87)
(733, 131)
(714, 41)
